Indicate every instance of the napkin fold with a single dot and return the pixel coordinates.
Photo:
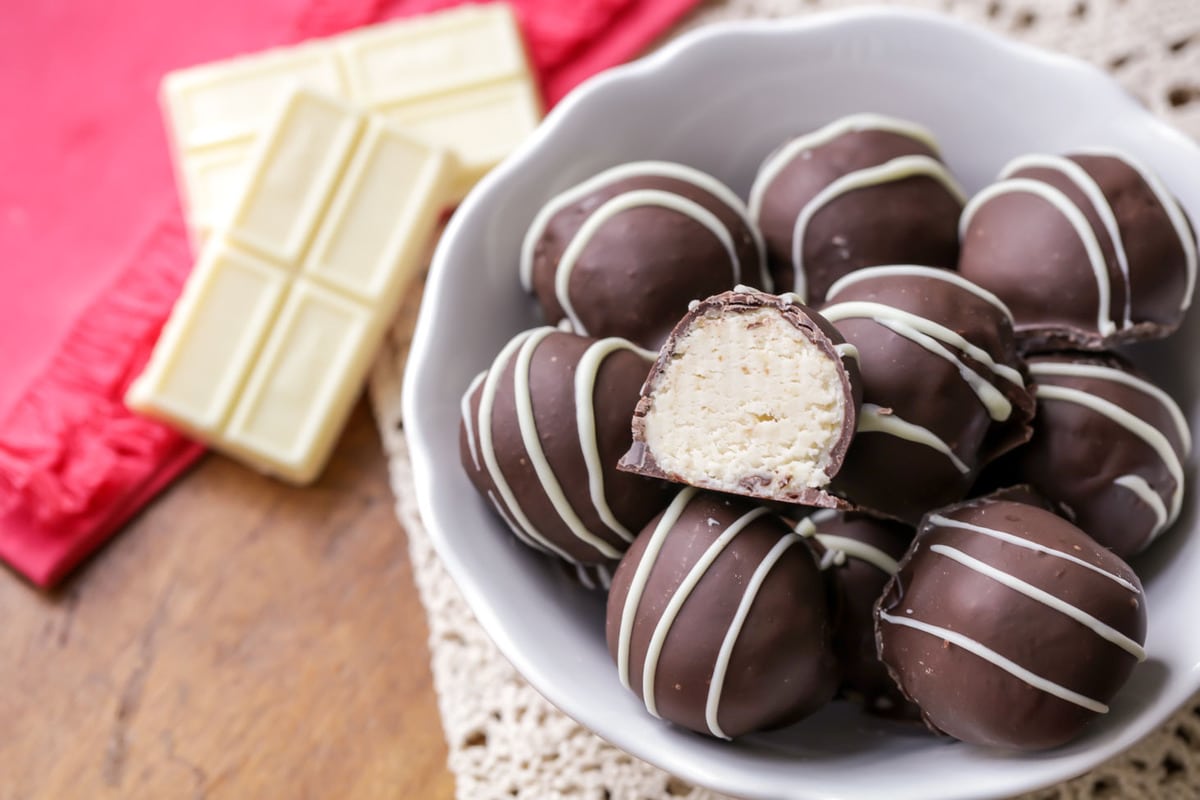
(93, 250)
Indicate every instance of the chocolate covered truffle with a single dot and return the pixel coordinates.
(752, 394)
(1108, 446)
(541, 434)
(943, 391)
(860, 556)
(717, 618)
(623, 253)
(1009, 626)
(1088, 250)
(862, 191)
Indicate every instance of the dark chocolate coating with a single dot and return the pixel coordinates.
(551, 392)
(1025, 250)
(781, 667)
(1077, 454)
(817, 330)
(908, 221)
(894, 476)
(858, 583)
(641, 268)
(592, 577)
(975, 699)
(1015, 492)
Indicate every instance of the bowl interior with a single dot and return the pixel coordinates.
(721, 100)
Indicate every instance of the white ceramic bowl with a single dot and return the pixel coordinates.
(721, 99)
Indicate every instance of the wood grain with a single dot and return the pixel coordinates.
(241, 638)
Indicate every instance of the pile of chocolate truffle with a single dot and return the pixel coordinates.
(859, 436)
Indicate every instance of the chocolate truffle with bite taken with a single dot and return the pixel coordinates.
(943, 390)
(541, 434)
(864, 190)
(1108, 446)
(1009, 626)
(753, 394)
(624, 252)
(717, 618)
(1088, 250)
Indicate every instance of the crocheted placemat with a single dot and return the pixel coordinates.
(504, 739)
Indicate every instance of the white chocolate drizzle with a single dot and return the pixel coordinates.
(586, 373)
(468, 428)
(1065, 369)
(537, 456)
(997, 405)
(1145, 492)
(1008, 665)
(854, 123)
(846, 350)
(1095, 195)
(831, 558)
(1134, 483)
(639, 169)
(1100, 628)
(593, 576)
(823, 516)
(805, 528)
(1172, 208)
(522, 348)
(873, 419)
(838, 548)
(1083, 229)
(853, 548)
(937, 339)
(880, 312)
(1138, 427)
(512, 525)
(712, 705)
(680, 596)
(584, 578)
(624, 202)
(898, 169)
(641, 576)
(507, 499)
(1019, 541)
(914, 270)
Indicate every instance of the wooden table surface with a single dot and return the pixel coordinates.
(240, 639)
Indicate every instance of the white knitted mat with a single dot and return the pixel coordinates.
(505, 741)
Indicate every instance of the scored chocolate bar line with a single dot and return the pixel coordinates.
(270, 342)
(457, 80)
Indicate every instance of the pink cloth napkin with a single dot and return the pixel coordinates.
(92, 246)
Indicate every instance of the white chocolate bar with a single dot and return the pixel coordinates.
(269, 344)
(423, 56)
(212, 339)
(480, 125)
(227, 101)
(457, 80)
(213, 177)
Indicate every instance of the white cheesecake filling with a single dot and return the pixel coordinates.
(747, 401)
